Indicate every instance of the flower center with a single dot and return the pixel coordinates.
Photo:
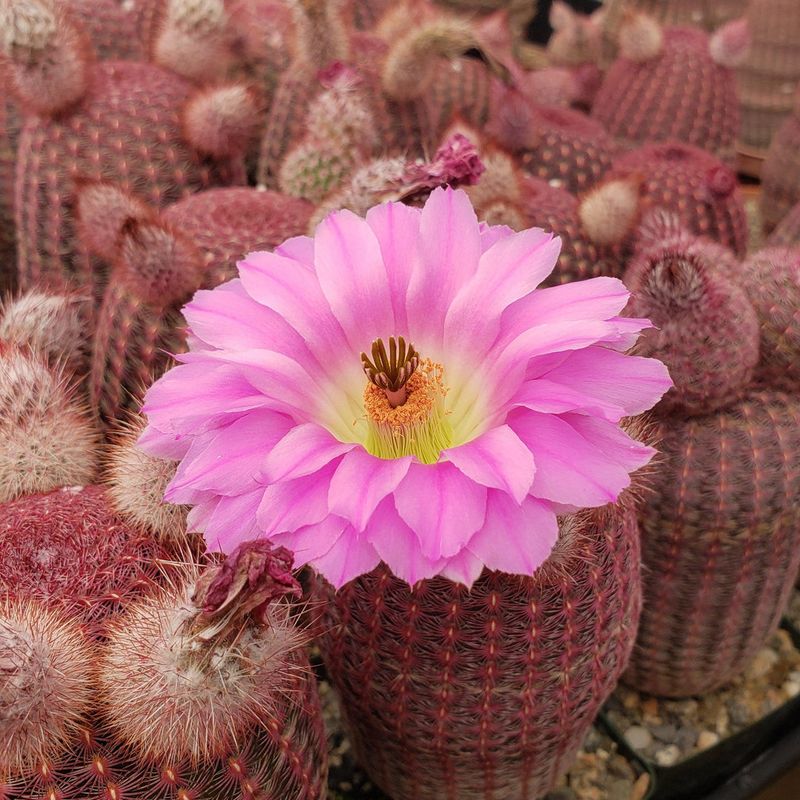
(404, 401)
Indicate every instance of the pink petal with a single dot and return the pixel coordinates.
(228, 318)
(289, 505)
(632, 383)
(352, 276)
(351, 555)
(464, 567)
(450, 248)
(227, 461)
(191, 398)
(361, 482)
(615, 443)
(311, 541)
(515, 539)
(398, 546)
(396, 227)
(293, 292)
(491, 234)
(549, 397)
(233, 521)
(593, 299)
(299, 249)
(511, 269)
(497, 459)
(569, 469)
(442, 506)
(303, 450)
(169, 446)
(283, 383)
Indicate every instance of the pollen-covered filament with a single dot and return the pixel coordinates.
(417, 426)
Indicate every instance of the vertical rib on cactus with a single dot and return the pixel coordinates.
(705, 328)
(496, 710)
(720, 543)
(47, 437)
(9, 134)
(771, 278)
(673, 90)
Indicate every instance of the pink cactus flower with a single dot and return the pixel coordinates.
(396, 388)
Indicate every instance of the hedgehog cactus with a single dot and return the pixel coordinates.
(119, 121)
(159, 261)
(780, 173)
(674, 84)
(47, 437)
(706, 330)
(564, 147)
(524, 688)
(771, 278)
(720, 524)
(203, 690)
(118, 30)
(696, 187)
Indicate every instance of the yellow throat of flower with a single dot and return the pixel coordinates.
(406, 416)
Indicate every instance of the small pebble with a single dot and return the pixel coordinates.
(665, 733)
(650, 707)
(707, 739)
(762, 663)
(791, 688)
(638, 738)
(668, 756)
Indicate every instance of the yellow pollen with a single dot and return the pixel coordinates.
(419, 426)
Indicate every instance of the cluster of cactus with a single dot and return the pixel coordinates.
(692, 184)
(675, 83)
(487, 692)
(719, 525)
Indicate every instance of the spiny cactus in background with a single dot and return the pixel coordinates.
(204, 689)
(9, 133)
(705, 328)
(69, 550)
(118, 30)
(706, 14)
(696, 187)
(504, 195)
(559, 145)
(52, 324)
(720, 522)
(158, 261)
(771, 278)
(118, 121)
(47, 437)
(496, 710)
(780, 172)
(674, 84)
(720, 533)
(135, 483)
(45, 684)
(770, 74)
(455, 163)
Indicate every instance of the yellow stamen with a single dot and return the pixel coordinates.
(418, 426)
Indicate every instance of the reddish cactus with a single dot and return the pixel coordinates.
(787, 231)
(558, 145)
(485, 693)
(771, 278)
(69, 550)
(204, 689)
(706, 330)
(676, 84)
(720, 543)
(47, 437)
(780, 173)
(692, 184)
(118, 30)
(9, 133)
(117, 121)
(159, 261)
